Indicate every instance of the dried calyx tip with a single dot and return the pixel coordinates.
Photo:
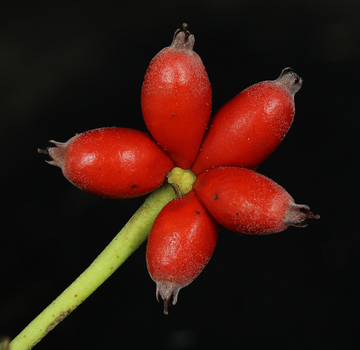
(305, 216)
(308, 214)
(184, 30)
(167, 302)
(290, 80)
(166, 305)
(42, 151)
(56, 153)
(46, 152)
(168, 292)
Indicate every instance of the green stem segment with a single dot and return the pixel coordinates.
(134, 233)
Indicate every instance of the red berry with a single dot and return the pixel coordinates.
(176, 99)
(112, 162)
(245, 201)
(180, 244)
(247, 129)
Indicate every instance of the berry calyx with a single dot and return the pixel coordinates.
(181, 180)
(183, 39)
(299, 215)
(290, 81)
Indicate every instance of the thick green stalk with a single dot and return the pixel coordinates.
(134, 233)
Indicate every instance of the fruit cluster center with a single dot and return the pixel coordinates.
(181, 180)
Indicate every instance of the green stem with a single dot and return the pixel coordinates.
(134, 233)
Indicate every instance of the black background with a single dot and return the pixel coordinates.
(70, 67)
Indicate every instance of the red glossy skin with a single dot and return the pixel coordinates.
(180, 244)
(176, 99)
(112, 162)
(247, 129)
(245, 201)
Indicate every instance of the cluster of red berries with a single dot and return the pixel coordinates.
(211, 166)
